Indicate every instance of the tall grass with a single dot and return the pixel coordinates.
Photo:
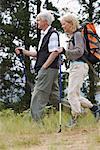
(19, 131)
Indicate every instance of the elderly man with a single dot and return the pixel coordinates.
(46, 86)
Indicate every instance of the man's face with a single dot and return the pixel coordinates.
(41, 23)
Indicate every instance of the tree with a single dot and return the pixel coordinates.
(90, 8)
(16, 25)
(38, 11)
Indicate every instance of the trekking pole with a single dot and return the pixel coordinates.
(60, 85)
(21, 58)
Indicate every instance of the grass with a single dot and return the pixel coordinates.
(19, 132)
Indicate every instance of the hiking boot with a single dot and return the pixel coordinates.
(83, 111)
(96, 112)
(72, 122)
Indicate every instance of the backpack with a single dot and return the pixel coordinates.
(92, 42)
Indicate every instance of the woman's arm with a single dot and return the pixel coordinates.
(76, 48)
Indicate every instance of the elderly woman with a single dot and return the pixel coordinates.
(78, 68)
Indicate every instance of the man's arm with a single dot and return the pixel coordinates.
(50, 59)
(19, 50)
(53, 49)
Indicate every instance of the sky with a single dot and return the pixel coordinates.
(72, 5)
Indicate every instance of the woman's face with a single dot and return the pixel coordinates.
(66, 26)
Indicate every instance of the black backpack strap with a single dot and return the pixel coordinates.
(86, 38)
(73, 40)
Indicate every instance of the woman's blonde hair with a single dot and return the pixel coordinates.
(71, 19)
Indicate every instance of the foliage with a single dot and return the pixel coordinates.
(90, 10)
(16, 28)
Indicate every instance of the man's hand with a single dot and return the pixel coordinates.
(18, 50)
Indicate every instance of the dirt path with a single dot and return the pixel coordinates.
(69, 140)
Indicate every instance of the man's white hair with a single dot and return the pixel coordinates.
(46, 15)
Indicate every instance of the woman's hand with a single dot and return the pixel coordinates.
(61, 50)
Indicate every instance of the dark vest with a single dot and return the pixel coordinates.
(43, 53)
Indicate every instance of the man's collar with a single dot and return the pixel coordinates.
(46, 31)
